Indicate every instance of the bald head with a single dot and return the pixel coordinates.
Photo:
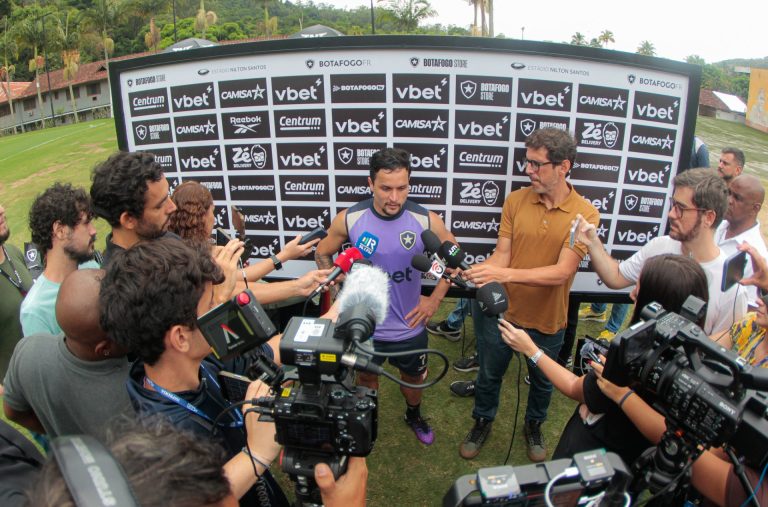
(77, 306)
(751, 186)
(745, 198)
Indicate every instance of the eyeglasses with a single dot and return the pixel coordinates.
(536, 165)
(680, 207)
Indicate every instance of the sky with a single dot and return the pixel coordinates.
(676, 28)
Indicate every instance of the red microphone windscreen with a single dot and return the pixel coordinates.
(345, 259)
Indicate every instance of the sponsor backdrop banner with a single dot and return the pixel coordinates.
(285, 130)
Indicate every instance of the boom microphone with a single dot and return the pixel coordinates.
(492, 299)
(363, 303)
(436, 268)
(453, 255)
(343, 263)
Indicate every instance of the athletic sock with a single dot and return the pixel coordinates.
(412, 412)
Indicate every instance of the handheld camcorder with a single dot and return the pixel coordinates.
(708, 395)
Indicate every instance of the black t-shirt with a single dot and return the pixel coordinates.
(20, 464)
(613, 432)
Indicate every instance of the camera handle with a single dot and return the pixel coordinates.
(665, 470)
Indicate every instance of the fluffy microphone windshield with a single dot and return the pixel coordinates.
(368, 285)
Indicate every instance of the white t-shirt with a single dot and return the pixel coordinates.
(730, 247)
(723, 309)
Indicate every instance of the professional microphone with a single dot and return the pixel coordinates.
(492, 299)
(342, 264)
(436, 268)
(367, 244)
(453, 255)
(431, 241)
(363, 302)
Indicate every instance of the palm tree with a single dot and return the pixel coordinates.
(646, 48)
(695, 60)
(27, 36)
(152, 37)
(594, 42)
(204, 19)
(70, 56)
(7, 69)
(578, 39)
(475, 5)
(101, 18)
(270, 23)
(605, 37)
(408, 13)
(490, 17)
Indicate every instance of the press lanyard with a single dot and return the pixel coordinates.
(188, 406)
(16, 283)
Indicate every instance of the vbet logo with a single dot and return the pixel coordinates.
(600, 134)
(192, 97)
(421, 123)
(654, 107)
(298, 90)
(199, 158)
(302, 156)
(359, 122)
(421, 88)
(551, 95)
(426, 157)
(303, 218)
(602, 198)
(485, 125)
(635, 233)
(248, 156)
(649, 172)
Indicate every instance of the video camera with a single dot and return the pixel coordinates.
(585, 480)
(705, 392)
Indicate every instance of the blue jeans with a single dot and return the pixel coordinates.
(456, 318)
(494, 356)
(618, 314)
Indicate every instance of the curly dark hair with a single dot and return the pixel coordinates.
(164, 466)
(62, 203)
(192, 202)
(119, 184)
(559, 144)
(152, 287)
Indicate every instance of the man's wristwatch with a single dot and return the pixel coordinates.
(276, 262)
(534, 359)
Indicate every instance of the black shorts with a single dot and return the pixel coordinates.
(411, 364)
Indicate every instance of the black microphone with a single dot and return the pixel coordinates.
(431, 241)
(436, 268)
(453, 255)
(492, 299)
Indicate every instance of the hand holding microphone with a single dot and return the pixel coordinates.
(342, 264)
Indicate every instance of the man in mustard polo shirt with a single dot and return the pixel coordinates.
(537, 265)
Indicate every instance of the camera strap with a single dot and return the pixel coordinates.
(191, 408)
(17, 281)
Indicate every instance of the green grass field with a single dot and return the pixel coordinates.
(402, 471)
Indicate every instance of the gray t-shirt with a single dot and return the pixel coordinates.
(68, 395)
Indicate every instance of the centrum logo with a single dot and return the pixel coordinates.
(303, 188)
(468, 89)
(486, 158)
(425, 191)
(298, 123)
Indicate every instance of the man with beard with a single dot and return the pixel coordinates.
(697, 207)
(15, 281)
(731, 163)
(131, 193)
(60, 223)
